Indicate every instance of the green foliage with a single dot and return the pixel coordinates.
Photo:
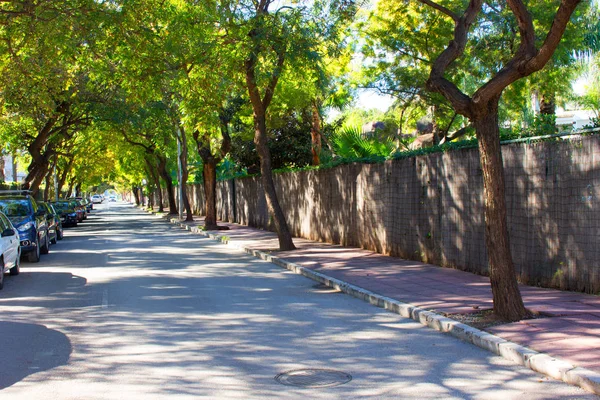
(227, 169)
(400, 155)
(595, 123)
(538, 125)
(289, 143)
(591, 97)
(350, 142)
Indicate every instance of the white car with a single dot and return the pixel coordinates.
(96, 199)
(10, 249)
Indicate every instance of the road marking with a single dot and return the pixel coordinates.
(105, 298)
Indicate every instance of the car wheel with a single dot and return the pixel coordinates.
(34, 256)
(59, 234)
(53, 241)
(46, 248)
(16, 270)
(2, 274)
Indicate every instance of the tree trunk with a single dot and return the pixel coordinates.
(152, 169)
(164, 173)
(150, 196)
(159, 193)
(315, 134)
(63, 175)
(548, 103)
(260, 140)
(15, 167)
(70, 190)
(548, 109)
(507, 298)
(38, 179)
(39, 156)
(47, 187)
(209, 174)
(184, 176)
(2, 176)
(136, 195)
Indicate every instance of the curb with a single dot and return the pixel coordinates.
(536, 361)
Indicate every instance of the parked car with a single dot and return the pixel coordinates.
(54, 223)
(10, 249)
(29, 220)
(79, 209)
(67, 213)
(96, 199)
(84, 202)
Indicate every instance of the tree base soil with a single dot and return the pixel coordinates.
(486, 318)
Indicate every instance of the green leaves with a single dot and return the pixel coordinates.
(350, 142)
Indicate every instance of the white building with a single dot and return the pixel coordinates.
(575, 118)
(11, 171)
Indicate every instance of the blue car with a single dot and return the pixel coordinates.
(29, 220)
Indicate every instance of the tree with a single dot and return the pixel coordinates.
(43, 73)
(270, 44)
(150, 129)
(482, 109)
(213, 149)
(414, 36)
(262, 38)
(289, 144)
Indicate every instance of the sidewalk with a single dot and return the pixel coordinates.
(570, 331)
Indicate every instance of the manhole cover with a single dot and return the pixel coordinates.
(313, 378)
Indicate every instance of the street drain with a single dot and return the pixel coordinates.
(313, 378)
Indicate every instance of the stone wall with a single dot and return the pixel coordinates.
(430, 208)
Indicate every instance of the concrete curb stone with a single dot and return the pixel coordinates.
(536, 361)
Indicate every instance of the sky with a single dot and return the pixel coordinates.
(369, 99)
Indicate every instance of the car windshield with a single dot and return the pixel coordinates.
(62, 207)
(15, 208)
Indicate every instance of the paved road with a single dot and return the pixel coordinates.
(129, 307)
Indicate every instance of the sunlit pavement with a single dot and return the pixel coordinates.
(130, 307)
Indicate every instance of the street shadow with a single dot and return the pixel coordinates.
(36, 288)
(33, 348)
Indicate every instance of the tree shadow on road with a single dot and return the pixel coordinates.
(33, 348)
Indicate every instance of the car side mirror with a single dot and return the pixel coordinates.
(8, 232)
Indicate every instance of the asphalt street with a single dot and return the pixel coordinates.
(128, 306)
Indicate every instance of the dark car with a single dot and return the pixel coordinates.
(67, 213)
(54, 223)
(29, 220)
(80, 208)
(87, 203)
